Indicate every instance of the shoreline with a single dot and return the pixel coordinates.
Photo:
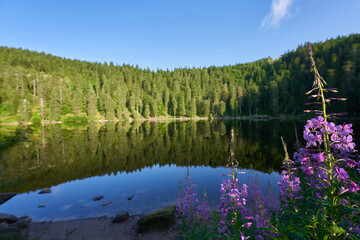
(98, 228)
(162, 119)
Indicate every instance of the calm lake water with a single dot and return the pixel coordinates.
(142, 160)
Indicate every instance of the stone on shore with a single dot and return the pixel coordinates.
(8, 218)
(158, 219)
(10, 229)
(121, 216)
(23, 222)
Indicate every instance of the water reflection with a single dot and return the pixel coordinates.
(143, 159)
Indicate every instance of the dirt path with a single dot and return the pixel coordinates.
(97, 228)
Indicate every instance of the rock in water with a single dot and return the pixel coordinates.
(8, 218)
(121, 216)
(159, 219)
(98, 198)
(130, 197)
(46, 190)
(106, 203)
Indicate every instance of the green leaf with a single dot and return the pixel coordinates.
(336, 229)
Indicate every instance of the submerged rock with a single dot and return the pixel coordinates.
(121, 216)
(46, 190)
(98, 198)
(159, 219)
(6, 196)
(106, 203)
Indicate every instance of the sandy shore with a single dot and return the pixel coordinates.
(97, 228)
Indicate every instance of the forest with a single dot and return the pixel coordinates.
(36, 87)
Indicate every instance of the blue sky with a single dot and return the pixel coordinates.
(170, 34)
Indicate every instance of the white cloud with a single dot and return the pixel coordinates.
(280, 9)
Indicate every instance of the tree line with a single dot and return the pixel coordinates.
(37, 86)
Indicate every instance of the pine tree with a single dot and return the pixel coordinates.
(77, 102)
(181, 106)
(109, 108)
(232, 101)
(91, 103)
(192, 109)
(274, 98)
(173, 105)
(222, 108)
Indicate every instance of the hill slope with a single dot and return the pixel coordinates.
(38, 85)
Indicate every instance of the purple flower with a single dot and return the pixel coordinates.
(345, 143)
(248, 224)
(315, 122)
(351, 163)
(354, 227)
(320, 157)
(222, 229)
(203, 212)
(231, 196)
(331, 128)
(341, 173)
(343, 202)
(347, 128)
(353, 187)
(307, 170)
(311, 139)
(289, 186)
(188, 208)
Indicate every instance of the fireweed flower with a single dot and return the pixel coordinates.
(314, 163)
(188, 207)
(232, 204)
(289, 187)
(203, 212)
(185, 205)
(353, 187)
(232, 199)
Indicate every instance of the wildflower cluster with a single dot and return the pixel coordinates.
(191, 211)
(321, 182)
(289, 188)
(232, 205)
(290, 184)
(323, 175)
(314, 161)
(262, 209)
(245, 211)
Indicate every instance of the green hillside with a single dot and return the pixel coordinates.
(35, 86)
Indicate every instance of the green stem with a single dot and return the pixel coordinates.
(329, 156)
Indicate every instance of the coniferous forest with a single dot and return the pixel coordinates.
(37, 86)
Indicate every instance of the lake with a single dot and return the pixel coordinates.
(137, 166)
